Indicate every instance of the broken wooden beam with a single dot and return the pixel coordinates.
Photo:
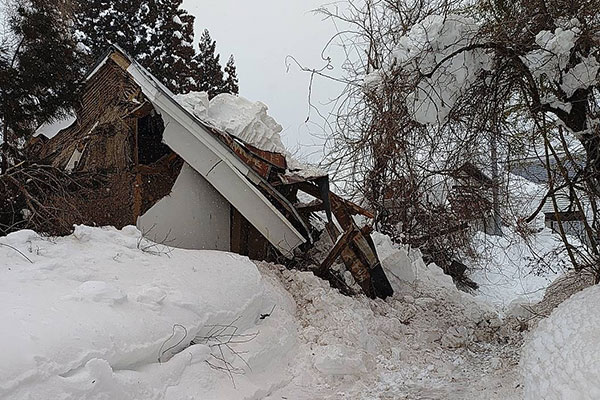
(313, 206)
(337, 249)
(354, 209)
(272, 158)
(359, 254)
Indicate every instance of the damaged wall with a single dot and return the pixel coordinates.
(193, 216)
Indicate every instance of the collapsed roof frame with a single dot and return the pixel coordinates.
(233, 179)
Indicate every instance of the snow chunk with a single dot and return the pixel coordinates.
(554, 52)
(581, 76)
(552, 57)
(373, 81)
(560, 359)
(50, 129)
(339, 360)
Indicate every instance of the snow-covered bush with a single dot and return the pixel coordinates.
(441, 83)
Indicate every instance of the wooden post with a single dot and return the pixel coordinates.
(137, 188)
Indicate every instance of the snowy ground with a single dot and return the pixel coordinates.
(512, 270)
(405, 348)
(102, 314)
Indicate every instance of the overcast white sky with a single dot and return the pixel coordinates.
(260, 34)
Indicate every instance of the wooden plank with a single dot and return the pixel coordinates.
(313, 206)
(275, 159)
(259, 166)
(239, 237)
(314, 191)
(120, 60)
(137, 188)
(359, 272)
(359, 255)
(141, 111)
(337, 249)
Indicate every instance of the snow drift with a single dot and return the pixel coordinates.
(105, 314)
(560, 359)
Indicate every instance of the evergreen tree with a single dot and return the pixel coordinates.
(130, 24)
(159, 34)
(231, 81)
(172, 56)
(40, 75)
(209, 67)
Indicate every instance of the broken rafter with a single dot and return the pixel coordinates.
(337, 249)
(313, 206)
(258, 165)
(357, 251)
(275, 159)
(354, 209)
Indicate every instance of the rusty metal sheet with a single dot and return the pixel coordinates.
(273, 158)
(259, 166)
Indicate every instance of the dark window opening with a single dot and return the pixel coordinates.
(150, 146)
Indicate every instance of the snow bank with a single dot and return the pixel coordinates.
(105, 314)
(512, 271)
(509, 273)
(560, 359)
(246, 120)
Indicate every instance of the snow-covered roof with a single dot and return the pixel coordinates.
(564, 203)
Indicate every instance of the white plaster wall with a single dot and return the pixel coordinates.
(193, 216)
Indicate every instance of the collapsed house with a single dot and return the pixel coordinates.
(188, 182)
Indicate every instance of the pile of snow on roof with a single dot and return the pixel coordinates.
(245, 120)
